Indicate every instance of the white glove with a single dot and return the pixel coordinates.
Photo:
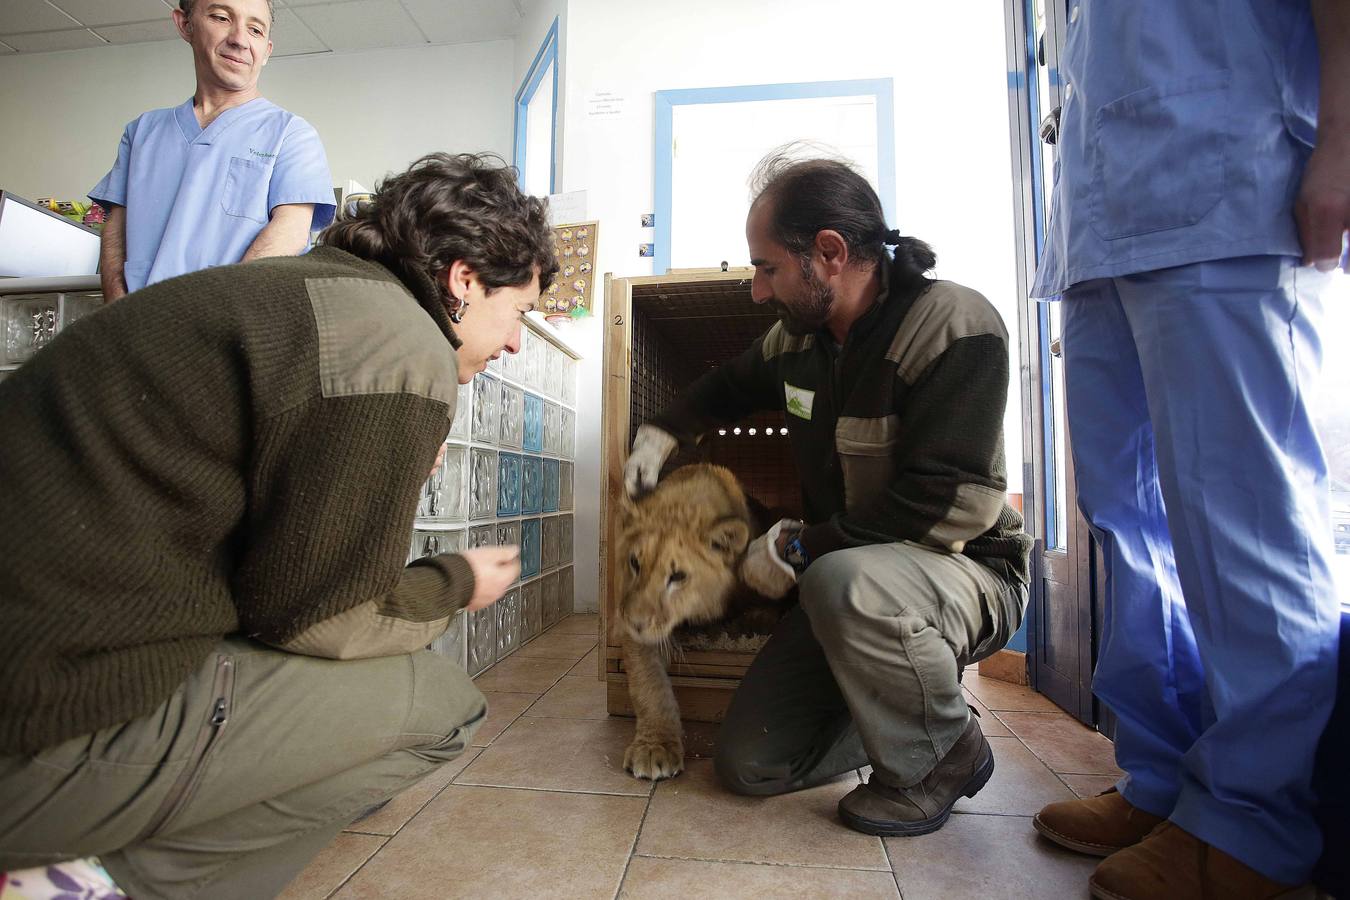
(652, 446)
(763, 570)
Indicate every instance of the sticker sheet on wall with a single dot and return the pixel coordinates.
(570, 294)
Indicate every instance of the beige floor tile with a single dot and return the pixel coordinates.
(572, 698)
(588, 666)
(522, 674)
(1021, 784)
(399, 810)
(334, 865)
(559, 645)
(649, 878)
(694, 817)
(1089, 785)
(985, 857)
(491, 842)
(504, 707)
(559, 755)
(1064, 744)
(999, 695)
(989, 722)
(581, 623)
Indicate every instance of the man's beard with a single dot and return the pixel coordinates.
(810, 313)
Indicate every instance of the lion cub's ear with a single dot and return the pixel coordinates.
(729, 536)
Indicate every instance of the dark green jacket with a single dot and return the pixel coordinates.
(234, 451)
(898, 434)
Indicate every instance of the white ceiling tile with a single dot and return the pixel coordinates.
(464, 21)
(31, 15)
(361, 24)
(291, 37)
(6, 48)
(113, 12)
(41, 41)
(139, 32)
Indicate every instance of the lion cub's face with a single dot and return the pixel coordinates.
(680, 546)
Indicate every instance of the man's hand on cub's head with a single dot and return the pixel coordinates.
(652, 446)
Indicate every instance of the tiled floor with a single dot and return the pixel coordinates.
(541, 807)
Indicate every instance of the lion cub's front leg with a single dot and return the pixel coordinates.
(657, 750)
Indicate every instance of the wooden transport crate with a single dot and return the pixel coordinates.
(662, 332)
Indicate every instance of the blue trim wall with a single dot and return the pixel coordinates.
(548, 54)
(666, 101)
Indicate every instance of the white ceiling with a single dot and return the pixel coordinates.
(301, 26)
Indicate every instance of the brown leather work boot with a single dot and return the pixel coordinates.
(1173, 864)
(876, 808)
(1097, 826)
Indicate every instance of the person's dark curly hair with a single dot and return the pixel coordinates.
(445, 208)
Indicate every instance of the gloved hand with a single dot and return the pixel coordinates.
(763, 569)
(652, 446)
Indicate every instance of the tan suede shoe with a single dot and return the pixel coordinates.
(1173, 864)
(1097, 826)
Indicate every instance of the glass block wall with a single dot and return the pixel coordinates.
(507, 479)
(28, 322)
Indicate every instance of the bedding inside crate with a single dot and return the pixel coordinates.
(680, 331)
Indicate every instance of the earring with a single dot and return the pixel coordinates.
(457, 311)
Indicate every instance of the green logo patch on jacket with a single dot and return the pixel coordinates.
(799, 400)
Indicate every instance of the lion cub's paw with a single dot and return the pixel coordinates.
(654, 760)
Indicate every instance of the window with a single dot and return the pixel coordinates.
(537, 119)
(709, 140)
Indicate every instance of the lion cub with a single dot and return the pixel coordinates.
(679, 545)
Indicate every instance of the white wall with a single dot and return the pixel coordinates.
(952, 158)
(376, 111)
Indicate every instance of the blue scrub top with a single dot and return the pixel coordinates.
(1185, 128)
(197, 197)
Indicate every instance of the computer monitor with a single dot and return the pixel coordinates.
(36, 241)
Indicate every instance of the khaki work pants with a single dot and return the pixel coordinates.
(865, 670)
(235, 782)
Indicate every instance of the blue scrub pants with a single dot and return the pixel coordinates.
(1190, 405)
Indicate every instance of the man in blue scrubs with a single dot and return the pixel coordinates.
(223, 178)
(1200, 207)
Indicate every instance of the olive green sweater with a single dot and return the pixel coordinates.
(235, 451)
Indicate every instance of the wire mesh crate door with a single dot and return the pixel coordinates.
(679, 332)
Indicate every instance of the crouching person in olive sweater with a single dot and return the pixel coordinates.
(212, 648)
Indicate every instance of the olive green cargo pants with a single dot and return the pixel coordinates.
(235, 782)
(866, 669)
